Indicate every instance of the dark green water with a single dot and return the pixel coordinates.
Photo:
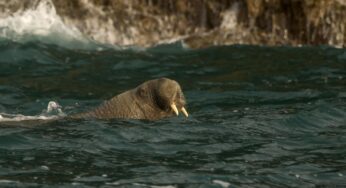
(260, 117)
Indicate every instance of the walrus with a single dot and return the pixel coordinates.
(152, 100)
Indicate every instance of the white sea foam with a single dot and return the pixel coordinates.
(52, 112)
(222, 183)
(4, 181)
(44, 24)
(163, 186)
(19, 117)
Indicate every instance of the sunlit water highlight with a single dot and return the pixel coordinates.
(259, 117)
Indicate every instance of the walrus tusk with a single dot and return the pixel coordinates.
(184, 112)
(174, 108)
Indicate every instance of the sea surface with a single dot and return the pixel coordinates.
(259, 117)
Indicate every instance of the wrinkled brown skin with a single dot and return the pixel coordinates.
(149, 101)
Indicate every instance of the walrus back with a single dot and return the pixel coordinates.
(120, 106)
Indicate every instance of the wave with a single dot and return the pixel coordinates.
(42, 23)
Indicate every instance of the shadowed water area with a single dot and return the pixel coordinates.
(259, 117)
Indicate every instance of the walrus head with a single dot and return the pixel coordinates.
(163, 94)
(152, 100)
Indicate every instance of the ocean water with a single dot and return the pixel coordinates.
(259, 116)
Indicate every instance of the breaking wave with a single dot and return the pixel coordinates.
(42, 23)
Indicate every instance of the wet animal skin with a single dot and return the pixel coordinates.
(152, 100)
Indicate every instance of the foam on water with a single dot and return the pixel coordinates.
(53, 111)
(42, 23)
(221, 183)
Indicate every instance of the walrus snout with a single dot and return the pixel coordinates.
(178, 104)
(170, 95)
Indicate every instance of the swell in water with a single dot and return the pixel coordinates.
(40, 24)
(260, 117)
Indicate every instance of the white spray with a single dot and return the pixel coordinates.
(41, 23)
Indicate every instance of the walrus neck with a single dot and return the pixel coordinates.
(123, 107)
(134, 108)
(145, 109)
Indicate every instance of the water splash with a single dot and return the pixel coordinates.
(54, 108)
(42, 23)
(229, 17)
(53, 111)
